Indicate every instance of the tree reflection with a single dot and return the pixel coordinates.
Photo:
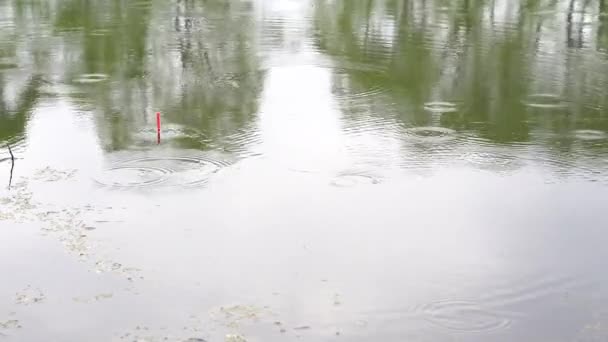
(20, 89)
(198, 63)
(490, 57)
(124, 62)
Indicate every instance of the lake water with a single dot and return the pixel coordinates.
(327, 170)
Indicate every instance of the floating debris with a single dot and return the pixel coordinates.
(596, 330)
(104, 296)
(233, 316)
(235, 338)
(337, 301)
(29, 296)
(96, 298)
(303, 327)
(66, 224)
(49, 174)
(361, 323)
(107, 266)
(18, 206)
(10, 324)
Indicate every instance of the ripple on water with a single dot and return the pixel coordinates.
(186, 171)
(344, 88)
(431, 133)
(149, 134)
(99, 32)
(141, 4)
(132, 176)
(61, 90)
(161, 171)
(590, 134)
(91, 78)
(18, 145)
(440, 107)
(463, 316)
(369, 124)
(492, 161)
(494, 308)
(545, 12)
(354, 178)
(243, 142)
(6, 64)
(545, 101)
(354, 93)
(569, 166)
(350, 66)
(531, 289)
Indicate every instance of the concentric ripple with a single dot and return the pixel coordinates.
(132, 176)
(91, 78)
(186, 171)
(431, 133)
(161, 171)
(351, 179)
(440, 107)
(243, 142)
(147, 135)
(545, 101)
(463, 316)
(492, 161)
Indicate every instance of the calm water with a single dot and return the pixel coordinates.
(328, 170)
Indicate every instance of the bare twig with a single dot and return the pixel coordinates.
(10, 180)
(11, 152)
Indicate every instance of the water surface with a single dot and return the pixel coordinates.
(357, 170)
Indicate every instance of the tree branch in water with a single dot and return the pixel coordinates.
(10, 180)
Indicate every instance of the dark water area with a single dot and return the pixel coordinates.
(370, 170)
